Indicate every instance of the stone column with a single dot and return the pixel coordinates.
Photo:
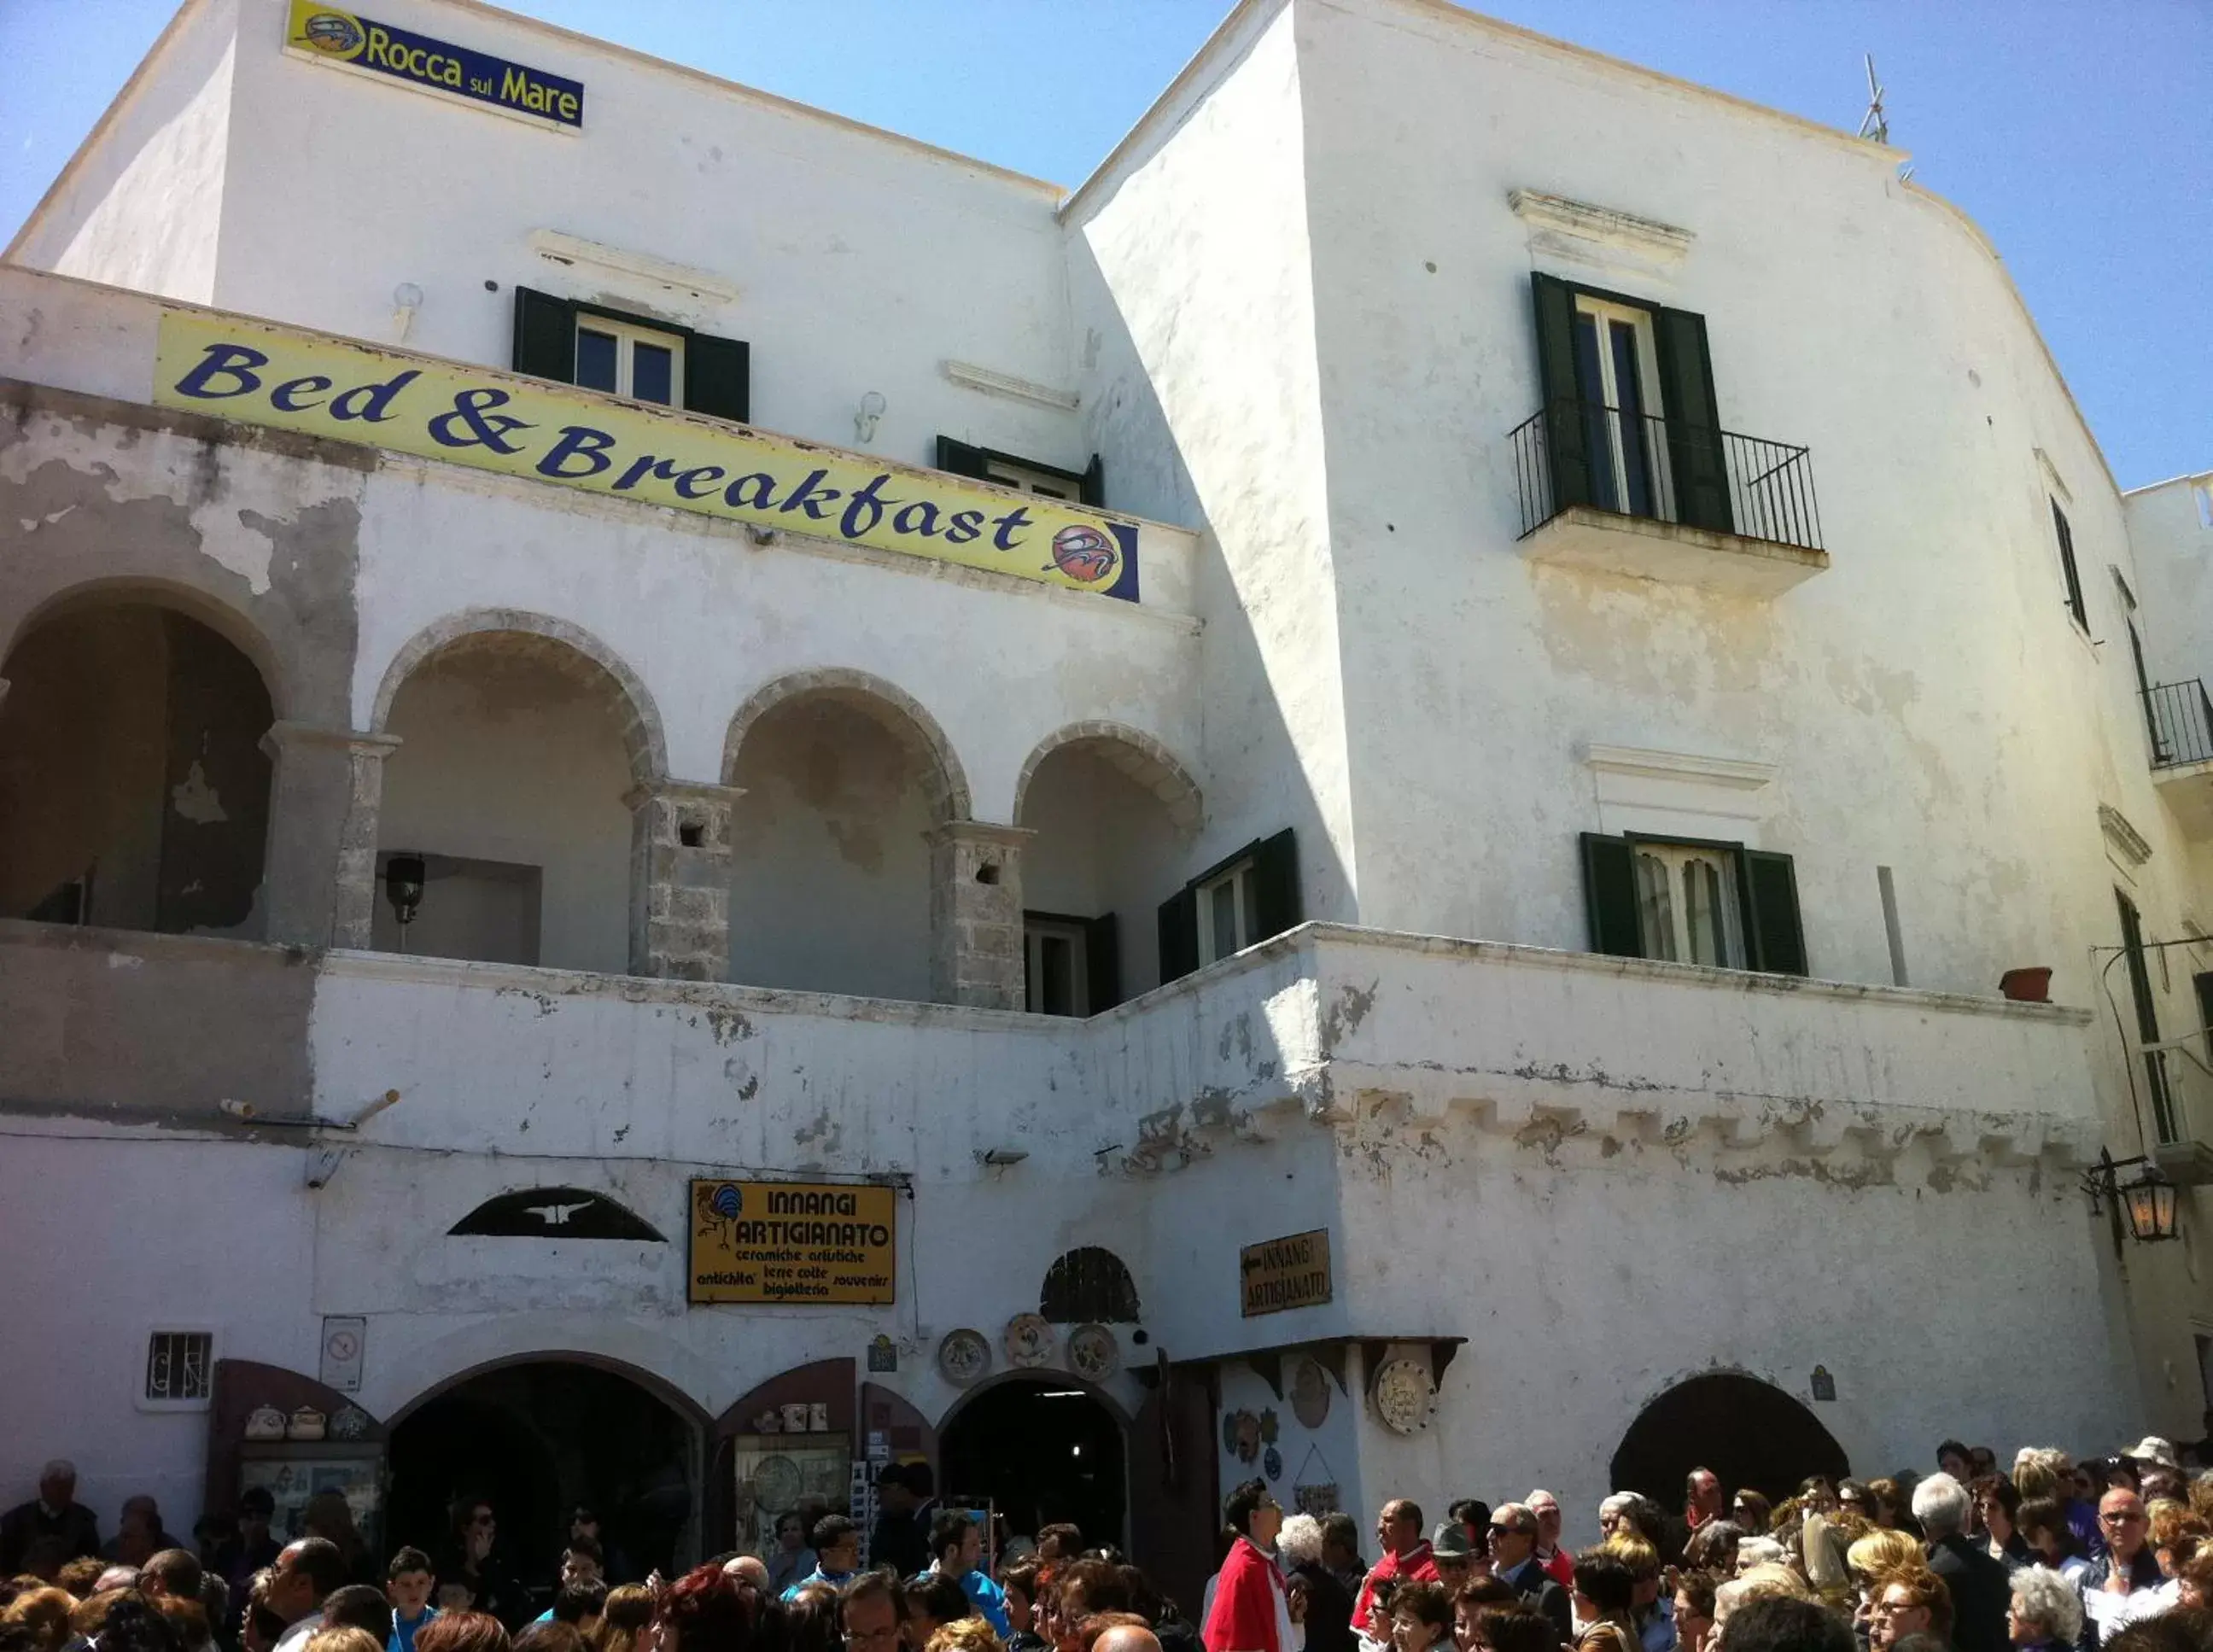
(680, 879)
(976, 914)
(319, 874)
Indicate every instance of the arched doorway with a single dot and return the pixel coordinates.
(134, 791)
(1750, 1433)
(536, 1439)
(1042, 1448)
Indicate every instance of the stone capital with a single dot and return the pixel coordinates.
(285, 737)
(679, 791)
(979, 831)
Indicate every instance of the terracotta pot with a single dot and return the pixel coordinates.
(2027, 985)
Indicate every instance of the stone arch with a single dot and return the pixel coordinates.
(660, 1387)
(1144, 760)
(231, 623)
(558, 644)
(914, 727)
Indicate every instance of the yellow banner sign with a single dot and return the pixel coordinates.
(792, 1241)
(1283, 1273)
(274, 376)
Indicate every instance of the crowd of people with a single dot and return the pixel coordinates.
(2115, 1555)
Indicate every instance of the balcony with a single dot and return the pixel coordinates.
(1649, 497)
(2180, 1107)
(2179, 717)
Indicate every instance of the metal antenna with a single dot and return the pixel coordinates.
(1874, 124)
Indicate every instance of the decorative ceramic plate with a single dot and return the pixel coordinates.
(1093, 1352)
(963, 1357)
(1404, 1397)
(1271, 1462)
(1310, 1394)
(777, 1484)
(351, 1423)
(1029, 1340)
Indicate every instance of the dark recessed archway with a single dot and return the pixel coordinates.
(1088, 1282)
(1748, 1432)
(534, 1439)
(1042, 1448)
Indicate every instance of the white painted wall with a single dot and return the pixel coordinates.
(2173, 548)
(1104, 844)
(1189, 261)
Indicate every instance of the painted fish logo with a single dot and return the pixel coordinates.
(1084, 554)
(333, 34)
(727, 1203)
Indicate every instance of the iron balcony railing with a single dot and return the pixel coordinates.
(1579, 453)
(2180, 719)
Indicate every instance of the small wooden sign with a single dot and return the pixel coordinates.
(1292, 1271)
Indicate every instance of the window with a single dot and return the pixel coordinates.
(1613, 366)
(2147, 1007)
(629, 361)
(1237, 903)
(180, 1369)
(1683, 901)
(633, 356)
(1632, 423)
(1072, 966)
(1686, 905)
(2066, 536)
(2159, 748)
(1009, 471)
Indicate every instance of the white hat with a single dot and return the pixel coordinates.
(2153, 1450)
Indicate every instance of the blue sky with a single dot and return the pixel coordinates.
(2078, 133)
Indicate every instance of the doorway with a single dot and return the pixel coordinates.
(536, 1439)
(1750, 1433)
(1042, 1449)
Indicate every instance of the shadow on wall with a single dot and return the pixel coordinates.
(1257, 783)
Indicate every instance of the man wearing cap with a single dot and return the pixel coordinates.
(2158, 1474)
(54, 1513)
(1458, 1560)
(1405, 1555)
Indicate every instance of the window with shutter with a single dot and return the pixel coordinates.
(632, 356)
(1026, 475)
(1239, 903)
(1631, 421)
(1685, 901)
(2065, 534)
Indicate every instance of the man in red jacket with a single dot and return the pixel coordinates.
(1406, 1554)
(1251, 1612)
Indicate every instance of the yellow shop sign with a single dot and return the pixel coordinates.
(789, 1241)
(262, 374)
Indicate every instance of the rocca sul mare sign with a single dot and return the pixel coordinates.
(274, 376)
(329, 35)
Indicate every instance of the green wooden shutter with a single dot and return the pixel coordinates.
(716, 376)
(1610, 896)
(1773, 935)
(1695, 457)
(1179, 931)
(545, 335)
(1095, 481)
(1566, 439)
(960, 457)
(1275, 903)
(1102, 964)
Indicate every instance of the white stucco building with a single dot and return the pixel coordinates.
(1454, 792)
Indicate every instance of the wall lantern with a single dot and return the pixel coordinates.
(403, 886)
(2147, 1198)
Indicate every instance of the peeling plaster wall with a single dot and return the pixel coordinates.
(142, 205)
(829, 868)
(1191, 264)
